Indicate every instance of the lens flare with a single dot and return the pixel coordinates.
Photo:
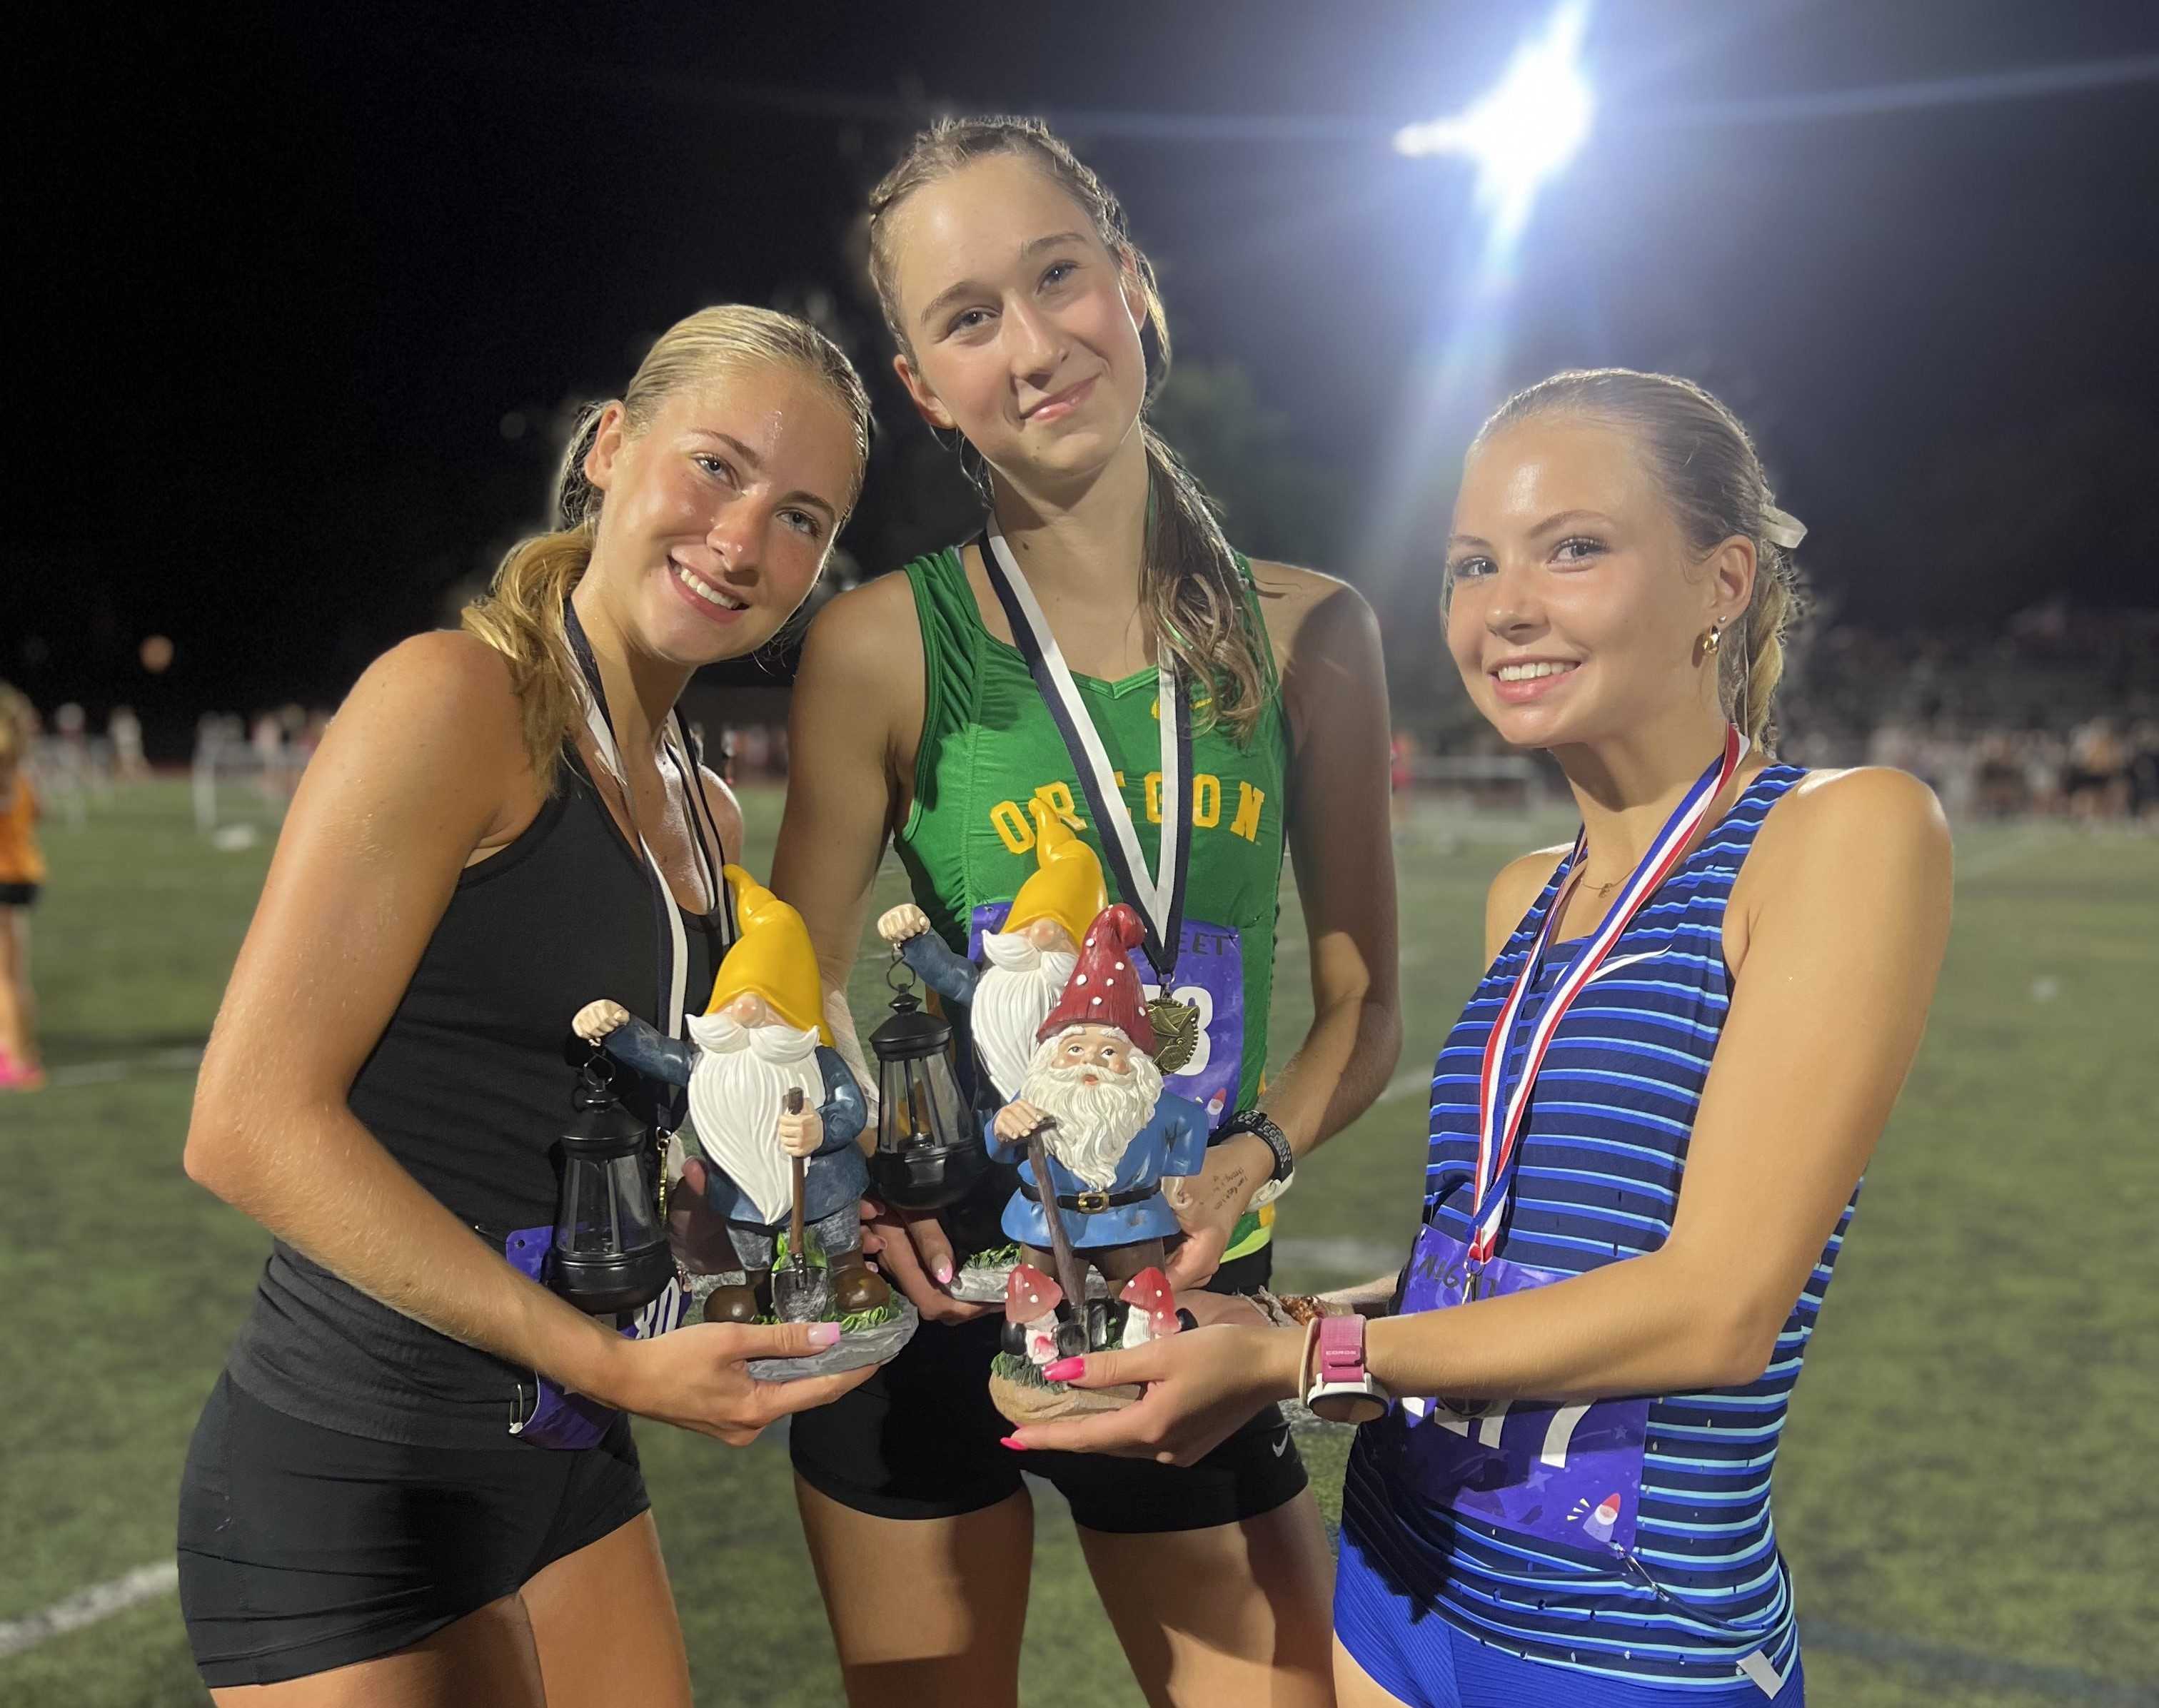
(1526, 128)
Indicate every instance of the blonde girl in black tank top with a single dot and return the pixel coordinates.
(389, 1557)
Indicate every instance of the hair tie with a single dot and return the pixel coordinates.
(1782, 529)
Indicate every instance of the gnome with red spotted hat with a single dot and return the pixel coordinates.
(1092, 1110)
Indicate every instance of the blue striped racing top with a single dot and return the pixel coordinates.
(1603, 1150)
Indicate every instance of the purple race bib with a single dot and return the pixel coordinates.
(1568, 1474)
(1210, 979)
(558, 1418)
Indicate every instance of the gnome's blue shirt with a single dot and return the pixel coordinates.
(952, 976)
(835, 1178)
(1172, 1142)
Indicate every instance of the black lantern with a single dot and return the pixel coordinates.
(928, 1153)
(611, 1250)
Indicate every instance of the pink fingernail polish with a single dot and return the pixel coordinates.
(1014, 1442)
(824, 1334)
(943, 1272)
(1064, 1369)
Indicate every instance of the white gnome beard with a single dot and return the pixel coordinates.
(738, 1091)
(1019, 985)
(1093, 1125)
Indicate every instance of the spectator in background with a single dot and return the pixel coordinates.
(266, 735)
(69, 773)
(1401, 769)
(2096, 780)
(2144, 770)
(754, 744)
(2045, 761)
(22, 871)
(2001, 779)
(124, 729)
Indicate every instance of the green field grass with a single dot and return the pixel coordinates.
(1963, 1495)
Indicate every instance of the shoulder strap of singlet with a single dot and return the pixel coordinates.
(1768, 786)
(950, 620)
(1255, 614)
(951, 626)
(707, 831)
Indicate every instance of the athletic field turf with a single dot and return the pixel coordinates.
(1966, 1495)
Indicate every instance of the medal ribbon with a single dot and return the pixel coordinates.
(1499, 1127)
(1159, 899)
(673, 942)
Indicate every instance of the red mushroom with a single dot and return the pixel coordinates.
(1031, 1302)
(1153, 1314)
(1030, 1295)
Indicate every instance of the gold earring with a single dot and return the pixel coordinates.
(1713, 640)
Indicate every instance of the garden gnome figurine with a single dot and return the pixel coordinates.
(761, 1037)
(1026, 963)
(1092, 1098)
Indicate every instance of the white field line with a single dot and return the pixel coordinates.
(87, 1606)
(1344, 1256)
(80, 1074)
(2012, 850)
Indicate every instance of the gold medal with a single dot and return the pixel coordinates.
(1176, 1032)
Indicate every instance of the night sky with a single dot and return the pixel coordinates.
(308, 294)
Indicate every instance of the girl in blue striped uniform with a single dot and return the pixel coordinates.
(1647, 1127)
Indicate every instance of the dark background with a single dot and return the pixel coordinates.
(310, 291)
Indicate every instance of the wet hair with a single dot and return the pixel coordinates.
(520, 614)
(1706, 467)
(1191, 584)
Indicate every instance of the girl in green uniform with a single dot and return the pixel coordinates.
(1099, 638)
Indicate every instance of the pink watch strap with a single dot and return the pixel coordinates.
(1341, 1349)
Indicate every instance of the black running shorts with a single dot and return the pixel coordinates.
(919, 1440)
(302, 1549)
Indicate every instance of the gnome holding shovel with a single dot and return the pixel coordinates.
(1095, 1135)
(776, 1112)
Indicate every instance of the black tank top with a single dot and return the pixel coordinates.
(469, 1089)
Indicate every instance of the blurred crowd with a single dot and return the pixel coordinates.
(2103, 768)
(2056, 714)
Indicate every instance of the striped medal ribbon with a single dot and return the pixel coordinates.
(1499, 1121)
(671, 952)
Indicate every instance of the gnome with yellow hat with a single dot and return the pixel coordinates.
(1024, 964)
(761, 1037)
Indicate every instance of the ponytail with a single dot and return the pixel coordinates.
(520, 614)
(1749, 682)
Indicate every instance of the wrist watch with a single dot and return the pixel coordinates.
(1340, 1388)
(1256, 1123)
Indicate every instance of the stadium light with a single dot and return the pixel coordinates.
(1526, 128)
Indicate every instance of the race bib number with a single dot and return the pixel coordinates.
(1568, 1474)
(1210, 981)
(663, 1316)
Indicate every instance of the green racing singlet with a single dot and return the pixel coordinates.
(990, 744)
